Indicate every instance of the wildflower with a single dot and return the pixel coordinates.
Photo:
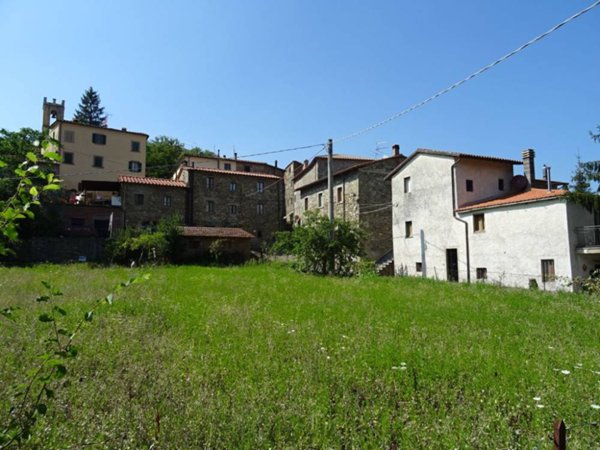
(565, 372)
(537, 399)
(539, 406)
(291, 331)
(594, 406)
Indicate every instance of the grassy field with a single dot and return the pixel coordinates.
(262, 357)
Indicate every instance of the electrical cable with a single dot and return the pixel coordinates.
(468, 78)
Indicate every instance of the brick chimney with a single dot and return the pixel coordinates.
(528, 165)
(395, 150)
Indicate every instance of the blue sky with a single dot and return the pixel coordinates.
(264, 75)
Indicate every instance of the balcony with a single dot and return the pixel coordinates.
(588, 240)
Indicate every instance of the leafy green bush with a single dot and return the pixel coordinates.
(323, 247)
(157, 245)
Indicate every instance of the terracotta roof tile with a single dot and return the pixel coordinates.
(151, 181)
(232, 172)
(217, 232)
(533, 195)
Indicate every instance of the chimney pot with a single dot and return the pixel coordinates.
(395, 150)
(529, 165)
(123, 129)
(275, 163)
(306, 163)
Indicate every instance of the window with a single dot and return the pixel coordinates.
(406, 185)
(478, 222)
(305, 203)
(233, 209)
(500, 184)
(167, 200)
(98, 161)
(320, 200)
(68, 136)
(259, 234)
(210, 183)
(548, 273)
(260, 186)
(246, 168)
(210, 206)
(138, 199)
(99, 139)
(340, 195)
(408, 230)
(469, 185)
(232, 186)
(419, 267)
(68, 158)
(227, 166)
(135, 146)
(135, 166)
(481, 273)
(260, 209)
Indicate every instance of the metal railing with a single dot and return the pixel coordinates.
(588, 236)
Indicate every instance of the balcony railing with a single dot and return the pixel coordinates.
(588, 236)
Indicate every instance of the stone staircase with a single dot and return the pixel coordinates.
(385, 264)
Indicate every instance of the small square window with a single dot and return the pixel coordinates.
(227, 166)
(469, 185)
(98, 161)
(478, 222)
(320, 200)
(260, 186)
(232, 186)
(135, 146)
(548, 273)
(481, 273)
(68, 136)
(500, 184)
(68, 158)
(210, 206)
(233, 209)
(210, 183)
(135, 166)
(138, 199)
(406, 185)
(99, 139)
(408, 229)
(260, 209)
(167, 200)
(246, 168)
(340, 195)
(419, 267)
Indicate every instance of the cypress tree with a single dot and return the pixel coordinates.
(89, 111)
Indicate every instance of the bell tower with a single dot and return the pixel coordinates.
(52, 110)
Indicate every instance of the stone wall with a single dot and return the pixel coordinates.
(60, 249)
(154, 205)
(219, 205)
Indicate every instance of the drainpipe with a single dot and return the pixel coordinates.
(454, 194)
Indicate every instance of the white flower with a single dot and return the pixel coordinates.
(565, 372)
(322, 349)
(537, 399)
(403, 368)
(291, 331)
(395, 367)
(539, 406)
(344, 336)
(550, 347)
(594, 406)
(328, 357)
(402, 363)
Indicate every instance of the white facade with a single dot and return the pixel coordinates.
(435, 233)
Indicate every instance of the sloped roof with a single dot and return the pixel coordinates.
(232, 172)
(533, 195)
(428, 151)
(165, 182)
(217, 232)
(338, 156)
(224, 159)
(72, 122)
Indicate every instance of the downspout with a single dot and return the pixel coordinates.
(454, 194)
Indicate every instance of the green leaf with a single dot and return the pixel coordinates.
(53, 155)
(33, 191)
(63, 332)
(61, 371)
(8, 313)
(72, 352)
(49, 393)
(2, 164)
(88, 316)
(51, 187)
(46, 284)
(45, 318)
(42, 298)
(59, 310)
(32, 157)
(41, 409)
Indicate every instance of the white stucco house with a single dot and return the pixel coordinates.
(462, 217)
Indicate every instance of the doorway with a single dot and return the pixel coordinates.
(452, 264)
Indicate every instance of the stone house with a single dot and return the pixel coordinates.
(252, 201)
(197, 242)
(362, 194)
(463, 217)
(146, 200)
(233, 164)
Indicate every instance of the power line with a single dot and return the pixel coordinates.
(470, 77)
(283, 150)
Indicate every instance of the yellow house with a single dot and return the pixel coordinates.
(94, 153)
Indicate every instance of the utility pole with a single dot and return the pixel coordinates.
(330, 177)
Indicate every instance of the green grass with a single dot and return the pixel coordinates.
(262, 357)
